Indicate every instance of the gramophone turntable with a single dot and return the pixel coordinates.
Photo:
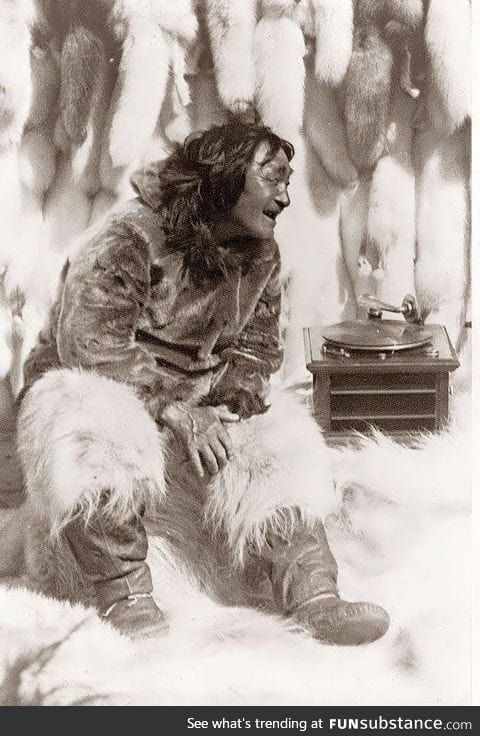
(389, 374)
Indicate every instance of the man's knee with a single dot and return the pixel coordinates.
(81, 434)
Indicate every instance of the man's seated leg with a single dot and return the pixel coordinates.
(303, 573)
(270, 501)
(92, 458)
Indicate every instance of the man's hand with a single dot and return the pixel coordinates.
(201, 431)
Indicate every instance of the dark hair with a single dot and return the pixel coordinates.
(201, 181)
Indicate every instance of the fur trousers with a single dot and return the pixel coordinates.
(80, 433)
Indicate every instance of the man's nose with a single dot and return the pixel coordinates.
(282, 199)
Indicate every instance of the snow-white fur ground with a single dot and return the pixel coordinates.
(401, 534)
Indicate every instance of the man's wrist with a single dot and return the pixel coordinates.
(171, 413)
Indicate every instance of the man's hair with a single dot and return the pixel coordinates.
(200, 183)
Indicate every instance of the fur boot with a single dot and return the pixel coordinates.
(441, 269)
(231, 26)
(447, 36)
(80, 433)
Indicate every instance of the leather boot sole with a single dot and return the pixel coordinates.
(343, 623)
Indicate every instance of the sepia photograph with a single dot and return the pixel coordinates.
(236, 353)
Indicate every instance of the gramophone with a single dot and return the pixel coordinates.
(389, 374)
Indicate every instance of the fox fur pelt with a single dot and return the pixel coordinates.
(333, 20)
(367, 84)
(16, 21)
(353, 234)
(231, 25)
(443, 214)
(147, 34)
(447, 37)
(325, 130)
(279, 44)
(154, 36)
(81, 38)
(390, 236)
(316, 289)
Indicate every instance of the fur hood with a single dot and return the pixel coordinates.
(174, 193)
(147, 185)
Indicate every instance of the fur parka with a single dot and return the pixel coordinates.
(130, 309)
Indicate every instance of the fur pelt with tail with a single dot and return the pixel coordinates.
(443, 214)
(148, 109)
(333, 39)
(353, 235)
(231, 25)
(146, 32)
(69, 201)
(81, 38)
(325, 129)
(279, 43)
(390, 237)
(367, 84)
(16, 21)
(316, 289)
(447, 37)
(366, 93)
(26, 178)
(79, 434)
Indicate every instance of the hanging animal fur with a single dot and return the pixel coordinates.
(333, 21)
(231, 26)
(146, 31)
(441, 269)
(367, 84)
(16, 21)
(279, 45)
(390, 242)
(447, 38)
(82, 40)
(325, 130)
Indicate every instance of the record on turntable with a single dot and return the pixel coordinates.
(384, 335)
(387, 375)
(376, 334)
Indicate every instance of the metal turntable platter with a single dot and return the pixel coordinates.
(376, 334)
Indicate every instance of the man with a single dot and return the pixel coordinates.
(170, 313)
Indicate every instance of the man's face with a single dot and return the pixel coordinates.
(265, 194)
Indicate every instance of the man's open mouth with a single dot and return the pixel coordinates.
(270, 214)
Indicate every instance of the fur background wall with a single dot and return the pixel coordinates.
(375, 96)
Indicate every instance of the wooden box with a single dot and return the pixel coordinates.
(400, 393)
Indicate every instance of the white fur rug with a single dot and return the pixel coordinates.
(401, 534)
